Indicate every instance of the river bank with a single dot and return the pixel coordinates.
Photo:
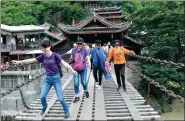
(177, 112)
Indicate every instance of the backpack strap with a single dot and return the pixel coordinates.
(43, 60)
(58, 64)
(42, 57)
(74, 49)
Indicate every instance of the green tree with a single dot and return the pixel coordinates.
(159, 21)
(160, 26)
(22, 13)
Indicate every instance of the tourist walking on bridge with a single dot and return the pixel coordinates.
(51, 61)
(93, 46)
(107, 47)
(80, 56)
(99, 57)
(70, 51)
(118, 55)
(97, 70)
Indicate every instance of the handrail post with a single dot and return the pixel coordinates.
(148, 94)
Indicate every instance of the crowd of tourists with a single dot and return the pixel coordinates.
(98, 57)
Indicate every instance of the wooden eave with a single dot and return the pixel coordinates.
(136, 42)
(98, 30)
(107, 9)
(95, 17)
(108, 17)
(80, 28)
(111, 12)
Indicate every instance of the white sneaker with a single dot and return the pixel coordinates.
(99, 87)
(97, 84)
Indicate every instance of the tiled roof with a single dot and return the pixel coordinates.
(57, 36)
(21, 28)
(107, 17)
(108, 12)
(110, 27)
(107, 8)
(139, 43)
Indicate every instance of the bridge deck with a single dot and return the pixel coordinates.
(105, 104)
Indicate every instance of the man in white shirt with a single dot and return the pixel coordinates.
(108, 47)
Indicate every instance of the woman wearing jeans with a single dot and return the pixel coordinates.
(81, 73)
(52, 74)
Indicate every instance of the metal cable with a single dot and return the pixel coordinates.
(20, 85)
(156, 84)
(158, 61)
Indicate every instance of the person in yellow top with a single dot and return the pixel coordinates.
(118, 55)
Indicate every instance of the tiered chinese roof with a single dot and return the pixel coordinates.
(113, 14)
(95, 24)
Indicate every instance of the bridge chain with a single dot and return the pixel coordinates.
(14, 66)
(20, 85)
(158, 61)
(23, 100)
(156, 84)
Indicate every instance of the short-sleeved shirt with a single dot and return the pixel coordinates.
(50, 63)
(83, 51)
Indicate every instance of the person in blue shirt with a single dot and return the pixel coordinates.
(99, 57)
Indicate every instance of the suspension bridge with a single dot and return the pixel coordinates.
(107, 103)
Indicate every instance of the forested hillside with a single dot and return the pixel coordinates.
(22, 13)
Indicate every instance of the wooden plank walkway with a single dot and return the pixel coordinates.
(105, 104)
(86, 112)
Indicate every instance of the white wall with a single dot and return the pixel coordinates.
(8, 39)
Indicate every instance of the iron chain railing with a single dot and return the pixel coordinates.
(158, 61)
(13, 66)
(23, 100)
(20, 85)
(156, 84)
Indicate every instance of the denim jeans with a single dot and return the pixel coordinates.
(55, 81)
(83, 75)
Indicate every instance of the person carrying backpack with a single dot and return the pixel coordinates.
(99, 57)
(118, 55)
(50, 61)
(80, 56)
(97, 70)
